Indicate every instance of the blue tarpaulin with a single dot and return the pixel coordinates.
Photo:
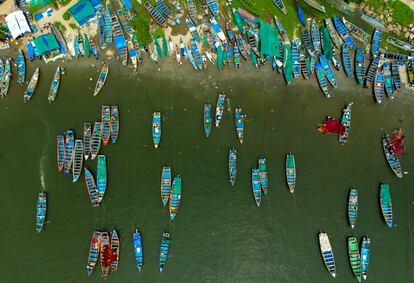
(82, 11)
(119, 42)
(127, 4)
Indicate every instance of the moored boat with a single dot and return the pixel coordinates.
(365, 249)
(175, 197)
(354, 258)
(327, 253)
(69, 146)
(386, 204)
(356, 31)
(77, 160)
(396, 76)
(315, 35)
(287, 63)
(290, 168)
(326, 43)
(41, 210)
(165, 184)
(296, 58)
(207, 119)
(256, 188)
(280, 5)
(360, 66)
(105, 252)
(155, 14)
(96, 139)
(94, 250)
(21, 67)
(156, 128)
(219, 109)
(132, 54)
(353, 207)
(316, 5)
(164, 248)
(388, 79)
(5, 82)
(32, 85)
(86, 140)
(376, 42)
(101, 79)
(54, 87)
(91, 187)
(306, 38)
(114, 125)
(232, 165)
(301, 15)
(264, 182)
(320, 75)
(239, 123)
(115, 245)
(332, 32)
(376, 24)
(346, 124)
(343, 32)
(400, 44)
(101, 177)
(139, 259)
(391, 156)
(60, 151)
(106, 123)
(328, 70)
(379, 86)
(371, 72)
(87, 45)
(213, 6)
(192, 10)
(304, 63)
(346, 60)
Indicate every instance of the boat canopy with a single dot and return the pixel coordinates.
(269, 40)
(45, 43)
(82, 11)
(17, 24)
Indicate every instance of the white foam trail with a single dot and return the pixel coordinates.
(42, 171)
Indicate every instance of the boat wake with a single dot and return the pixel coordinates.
(42, 171)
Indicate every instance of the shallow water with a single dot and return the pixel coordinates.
(219, 234)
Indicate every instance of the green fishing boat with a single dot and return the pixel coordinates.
(287, 63)
(355, 258)
(158, 47)
(86, 45)
(164, 46)
(326, 43)
(220, 57)
(386, 203)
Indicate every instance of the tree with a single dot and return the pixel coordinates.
(140, 24)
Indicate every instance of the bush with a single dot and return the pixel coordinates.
(140, 24)
(66, 16)
(159, 32)
(73, 26)
(59, 26)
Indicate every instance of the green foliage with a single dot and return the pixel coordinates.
(59, 26)
(140, 23)
(66, 16)
(73, 26)
(3, 31)
(159, 32)
(64, 2)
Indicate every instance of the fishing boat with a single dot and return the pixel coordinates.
(213, 6)
(376, 42)
(253, 41)
(190, 57)
(320, 75)
(119, 39)
(114, 124)
(242, 46)
(132, 54)
(327, 253)
(1, 71)
(5, 82)
(54, 87)
(296, 59)
(192, 28)
(304, 63)
(101, 29)
(139, 259)
(164, 9)
(217, 29)
(236, 52)
(388, 79)
(175, 197)
(207, 119)
(280, 5)
(170, 45)
(353, 207)
(306, 38)
(157, 16)
(196, 54)
(371, 72)
(326, 43)
(96, 139)
(312, 63)
(101, 177)
(396, 76)
(69, 146)
(360, 66)
(32, 86)
(156, 128)
(346, 124)
(106, 123)
(379, 86)
(94, 250)
(81, 47)
(239, 123)
(21, 68)
(315, 4)
(343, 32)
(105, 251)
(315, 35)
(77, 160)
(365, 247)
(391, 156)
(328, 70)
(256, 187)
(290, 168)
(164, 248)
(165, 184)
(232, 165)
(335, 62)
(346, 60)
(238, 20)
(282, 30)
(87, 46)
(400, 44)
(108, 26)
(301, 15)
(356, 31)
(76, 51)
(264, 183)
(332, 33)
(60, 151)
(101, 79)
(230, 34)
(115, 245)
(192, 10)
(178, 55)
(287, 63)
(373, 22)
(219, 108)
(41, 209)
(355, 258)
(386, 204)
(91, 187)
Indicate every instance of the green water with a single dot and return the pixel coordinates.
(219, 234)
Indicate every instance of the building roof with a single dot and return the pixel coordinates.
(17, 24)
(82, 11)
(46, 43)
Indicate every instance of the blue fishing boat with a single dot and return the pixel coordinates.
(190, 57)
(290, 168)
(296, 59)
(31, 87)
(386, 204)
(196, 54)
(343, 32)
(101, 177)
(31, 50)
(236, 52)
(219, 109)
(264, 182)
(388, 79)
(156, 128)
(379, 86)
(217, 29)
(256, 188)
(60, 151)
(376, 42)
(207, 119)
(54, 87)
(69, 146)
(304, 63)
(346, 60)
(327, 253)
(282, 30)
(320, 75)
(192, 10)
(360, 66)
(77, 159)
(353, 207)
(137, 239)
(108, 26)
(175, 196)
(41, 210)
(119, 39)
(332, 33)
(76, 47)
(164, 9)
(230, 33)
(157, 16)
(91, 187)
(213, 6)
(21, 68)
(365, 248)
(182, 48)
(94, 49)
(242, 46)
(101, 29)
(239, 122)
(301, 16)
(193, 30)
(87, 139)
(164, 248)
(312, 63)
(371, 72)
(232, 165)
(315, 35)
(346, 124)
(94, 250)
(106, 123)
(328, 70)
(280, 5)
(114, 123)
(396, 76)
(376, 24)
(96, 139)
(391, 156)
(306, 38)
(165, 184)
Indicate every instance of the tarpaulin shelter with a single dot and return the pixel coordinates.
(46, 43)
(269, 41)
(17, 24)
(82, 11)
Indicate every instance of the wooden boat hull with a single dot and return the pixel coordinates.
(77, 160)
(207, 119)
(391, 157)
(94, 251)
(256, 188)
(91, 187)
(41, 211)
(156, 128)
(232, 165)
(346, 124)
(164, 249)
(386, 204)
(353, 207)
(165, 184)
(115, 245)
(175, 197)
(264, 182)
(360, 66)
(327, 253)
(96, 139)
(137, 239)
(346, 60)
(365, 248)
(219, 109)
(114, 123)
(106, 124)
(60, 151)
(354, 257)
(101, 177)
(290, 168)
